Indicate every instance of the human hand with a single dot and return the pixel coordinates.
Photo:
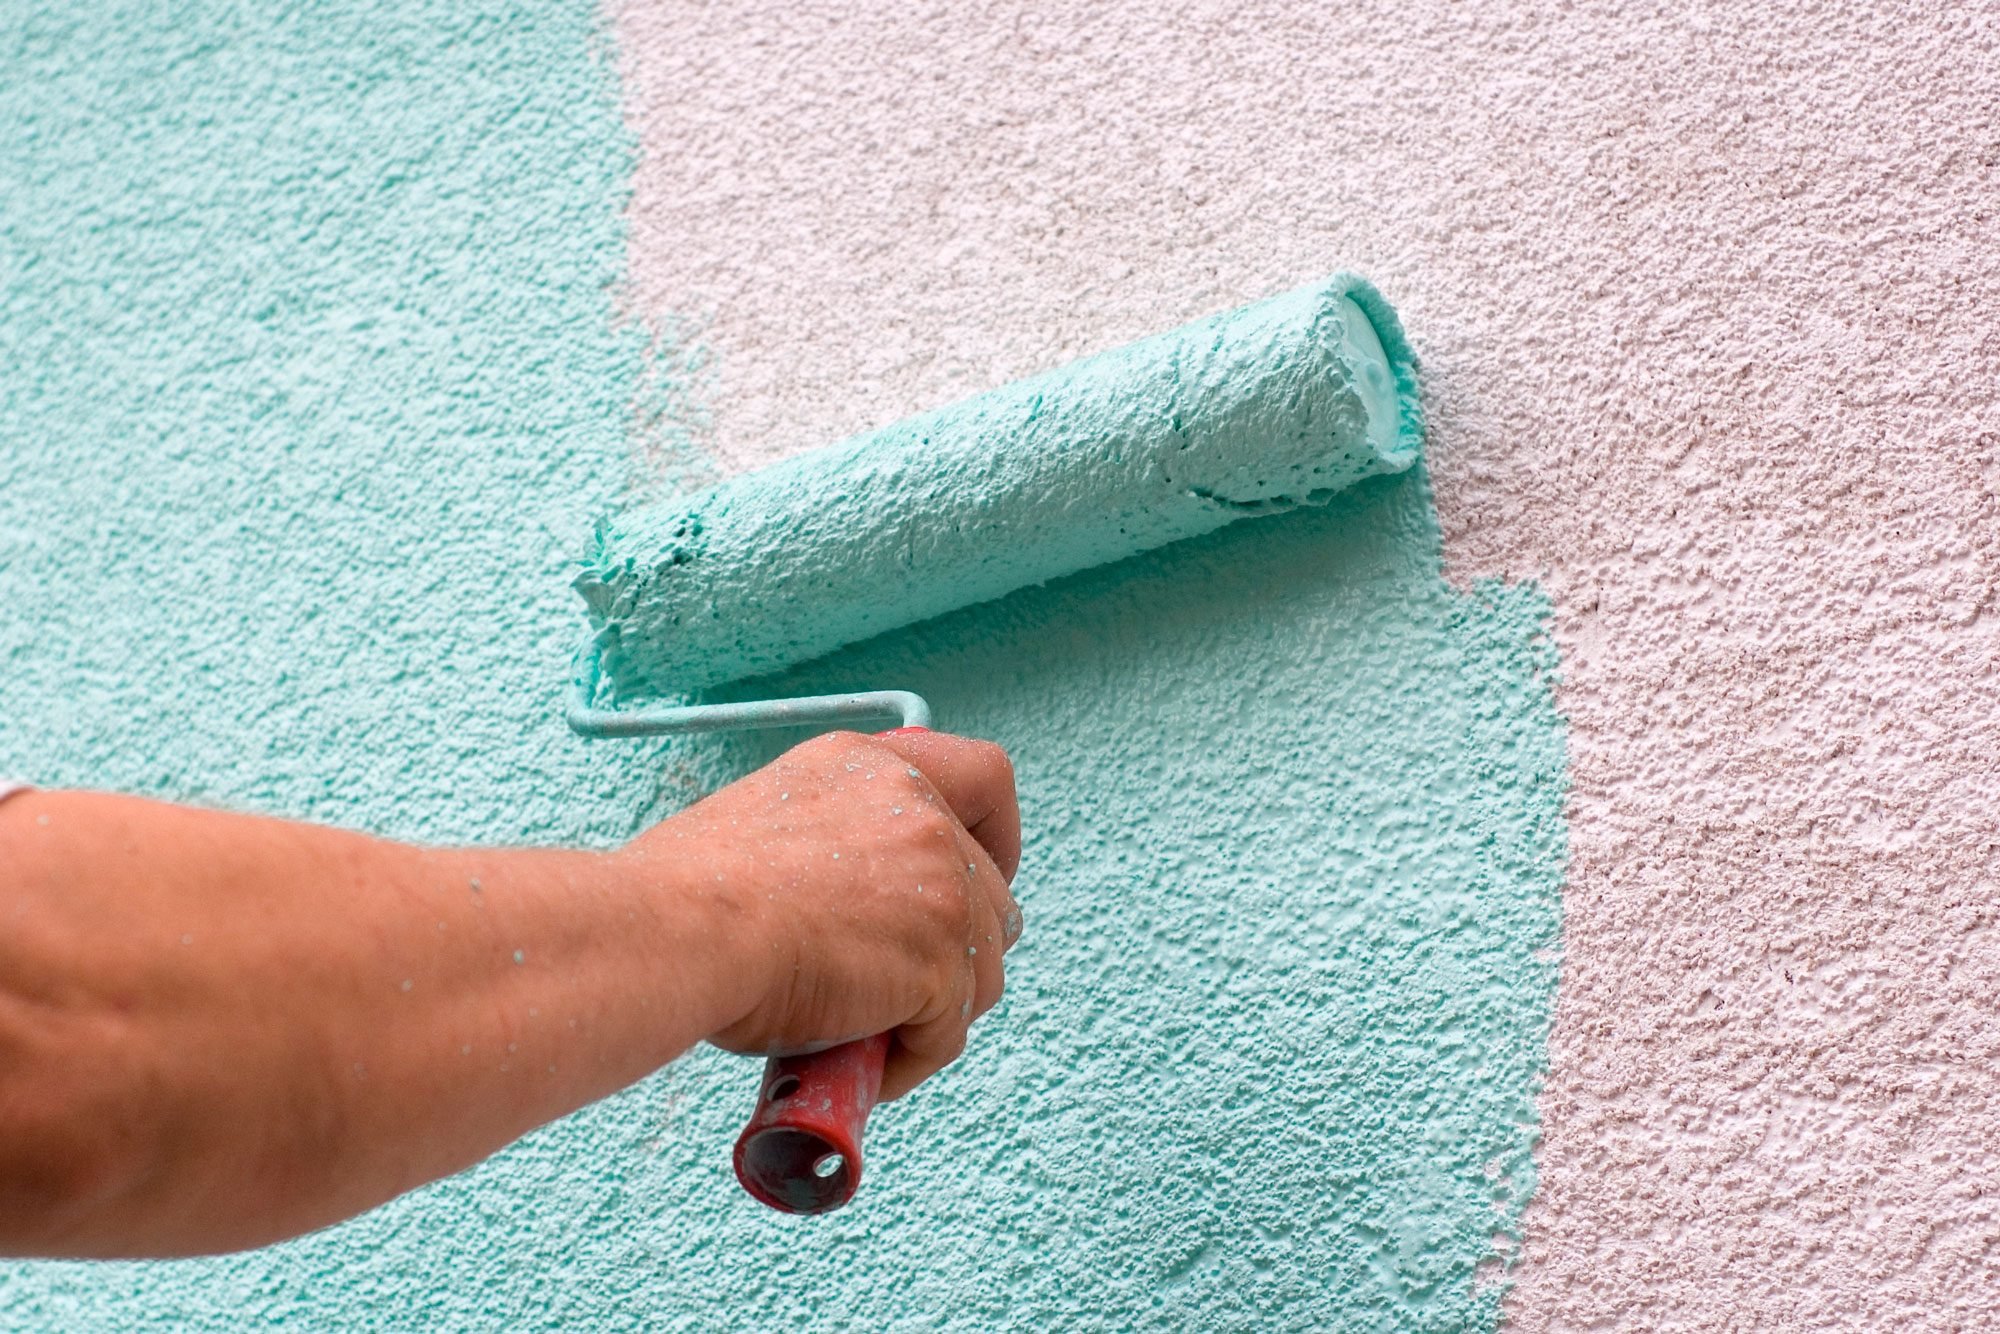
(870, 879)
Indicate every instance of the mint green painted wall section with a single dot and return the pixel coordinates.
(314, 387)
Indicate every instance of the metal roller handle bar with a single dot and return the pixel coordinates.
(586, 719)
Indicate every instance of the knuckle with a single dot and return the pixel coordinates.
(942, 917)
(940, 983)
(935, 825)
(952, 912)
(996, 760)
(991, 987)
(910, 779)
(829, 746)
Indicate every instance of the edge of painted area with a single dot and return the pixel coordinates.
(1274, 406)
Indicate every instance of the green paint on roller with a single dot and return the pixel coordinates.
(1256, 411)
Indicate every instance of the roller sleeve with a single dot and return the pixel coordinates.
(1256, 411)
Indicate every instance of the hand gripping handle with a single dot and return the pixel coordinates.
(801, 1152)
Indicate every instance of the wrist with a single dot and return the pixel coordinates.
(704, 925)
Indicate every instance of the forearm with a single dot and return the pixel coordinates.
(216, 1031)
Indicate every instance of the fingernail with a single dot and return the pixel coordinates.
(1013, 925)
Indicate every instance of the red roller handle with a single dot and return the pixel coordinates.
(801, 1152)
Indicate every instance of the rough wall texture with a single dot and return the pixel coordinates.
(1268, 1054)
(315, 386)
(1704, 293)
(321, 388)
(310, 391)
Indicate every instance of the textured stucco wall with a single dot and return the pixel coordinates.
(325, 387)
(1705, 294)
(318, 381)
(310, 389)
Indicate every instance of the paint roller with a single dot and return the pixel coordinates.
(1251, 412)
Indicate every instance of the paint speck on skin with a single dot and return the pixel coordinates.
(475, 884)
(187, 940)
(408, 983)
(520, 956)
(464, 1049)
